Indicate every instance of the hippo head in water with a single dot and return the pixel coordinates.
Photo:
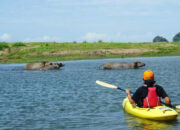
(59, 64)
(53, 66)
(138, 64)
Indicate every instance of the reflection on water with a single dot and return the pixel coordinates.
(144, 124)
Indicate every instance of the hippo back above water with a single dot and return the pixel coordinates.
(45, 65)
(123, 65)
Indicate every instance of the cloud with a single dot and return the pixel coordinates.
(5, 37)
(131, 37)
(119, 37)
(93, 36)
(44, 38)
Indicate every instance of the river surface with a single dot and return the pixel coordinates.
(69, 98)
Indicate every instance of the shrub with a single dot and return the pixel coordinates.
(18, 44)
(176, 38)
(85, 41)
(3, 45)
(160, 39)
(100, 41)
(74, 42)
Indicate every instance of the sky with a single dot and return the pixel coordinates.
(88, 20)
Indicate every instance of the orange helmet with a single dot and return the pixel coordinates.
(148, 75)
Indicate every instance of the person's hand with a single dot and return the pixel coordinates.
(128, 91)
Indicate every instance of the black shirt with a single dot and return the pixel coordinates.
(142, 92)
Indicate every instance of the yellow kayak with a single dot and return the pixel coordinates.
(156, 113)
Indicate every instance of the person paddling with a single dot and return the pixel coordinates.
(150, 94)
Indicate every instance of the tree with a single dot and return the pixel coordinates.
(176, 38)
(160, 39)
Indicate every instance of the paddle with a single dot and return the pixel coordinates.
(115, 87)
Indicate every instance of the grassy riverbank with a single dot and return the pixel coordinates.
(36, 52)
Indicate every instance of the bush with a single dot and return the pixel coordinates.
(176, 38)
(160, 39)
(3, 45)
(18, 44)
(74, 42)
(100, 41)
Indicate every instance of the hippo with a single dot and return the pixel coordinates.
(44, 65)
(123, 65)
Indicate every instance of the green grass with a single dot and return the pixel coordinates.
(36, 52)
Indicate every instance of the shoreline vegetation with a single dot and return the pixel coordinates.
(20, 52)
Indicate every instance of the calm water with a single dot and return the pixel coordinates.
(69, 98)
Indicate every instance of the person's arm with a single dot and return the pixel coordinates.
(128, 91)
(167, 101)
(162, 93)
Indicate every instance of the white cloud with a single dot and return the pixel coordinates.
(44, 38)
(119, 37)
(93, 36)
(146, 37)
(5, 37)
(47, 38)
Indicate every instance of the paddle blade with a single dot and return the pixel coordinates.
(106, 84)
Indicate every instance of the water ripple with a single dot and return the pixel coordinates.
(69, 98)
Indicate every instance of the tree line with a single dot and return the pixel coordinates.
(176, 38)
